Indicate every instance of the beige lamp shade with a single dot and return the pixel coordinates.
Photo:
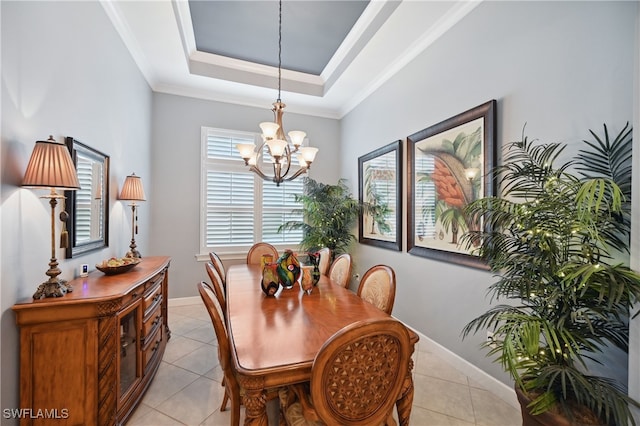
(50, 166)
(132, 189)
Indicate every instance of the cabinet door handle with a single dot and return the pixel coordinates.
(134, 295)
(156, 346)
(156, 320)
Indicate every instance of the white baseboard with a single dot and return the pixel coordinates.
(493, 385)
(184, 301)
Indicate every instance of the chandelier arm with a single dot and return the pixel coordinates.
(298, 172)
(288, 155)
(259, 172)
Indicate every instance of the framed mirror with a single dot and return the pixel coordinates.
(87, 208)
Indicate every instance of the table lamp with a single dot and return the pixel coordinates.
(51, 167)
(133, 191)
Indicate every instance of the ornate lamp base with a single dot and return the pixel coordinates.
(133, 251)
(52, 288)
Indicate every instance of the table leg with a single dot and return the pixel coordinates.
(254, 400)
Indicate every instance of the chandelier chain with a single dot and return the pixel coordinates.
(279, 48)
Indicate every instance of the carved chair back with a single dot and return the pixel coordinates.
(358, 373)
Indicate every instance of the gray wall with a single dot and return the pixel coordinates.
(177, 121)
(560, 67)
(65, 72)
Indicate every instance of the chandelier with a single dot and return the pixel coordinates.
(279, 148)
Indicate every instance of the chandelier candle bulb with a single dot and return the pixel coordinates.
(277, 147)
(269, 130)
(246, 150)
(297, 137)
(309, 154)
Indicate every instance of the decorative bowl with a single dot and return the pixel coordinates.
(115, 266)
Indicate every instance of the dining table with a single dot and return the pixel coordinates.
(275, 339)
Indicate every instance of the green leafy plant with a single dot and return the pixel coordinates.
(330, 212)
(548, 239)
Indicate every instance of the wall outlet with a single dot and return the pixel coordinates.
(490, 340)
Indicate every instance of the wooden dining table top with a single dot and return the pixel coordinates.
(285, 331)
(274, 339)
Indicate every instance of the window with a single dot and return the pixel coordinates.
(237, 207)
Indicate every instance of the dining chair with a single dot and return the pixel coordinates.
(217, 263)
(356, 377)
(231, 386)
(378, 287)
(254, 256)
(325, 260)
(216, 282)
(340, 270)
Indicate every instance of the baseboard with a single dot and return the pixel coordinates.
(184, 301)
(485, 380)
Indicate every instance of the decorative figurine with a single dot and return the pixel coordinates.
(288, 268)
(314, 259)
(270, 282)
(306, 282)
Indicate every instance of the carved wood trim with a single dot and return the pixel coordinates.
(109, 308)
(107, 380)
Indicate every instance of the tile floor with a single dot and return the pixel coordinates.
(187, 388)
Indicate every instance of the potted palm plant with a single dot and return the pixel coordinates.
(330, 213)
(551, 240)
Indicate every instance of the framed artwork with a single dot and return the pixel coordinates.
(449, 166)
(380, 190)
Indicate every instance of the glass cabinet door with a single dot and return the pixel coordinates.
(129, 371)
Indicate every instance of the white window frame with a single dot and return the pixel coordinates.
(206, 164)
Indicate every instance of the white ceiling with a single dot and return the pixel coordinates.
(389, 33)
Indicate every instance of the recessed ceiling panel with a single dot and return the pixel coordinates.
(312, 30)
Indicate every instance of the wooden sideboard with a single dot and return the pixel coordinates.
(88, 357)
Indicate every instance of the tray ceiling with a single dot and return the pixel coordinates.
(334, 52)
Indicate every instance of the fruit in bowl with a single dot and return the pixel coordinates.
(116, 265)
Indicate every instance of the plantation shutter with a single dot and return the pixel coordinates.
(277, 205)
(239, 207)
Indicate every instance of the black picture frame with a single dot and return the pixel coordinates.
(380, 184)
(449, 165)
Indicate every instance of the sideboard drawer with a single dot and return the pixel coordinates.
(152, 347)
(152, 296)
(152, 321)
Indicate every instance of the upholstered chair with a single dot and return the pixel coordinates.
(325, 260)
(340, 270)
(378, 287)
(254, 256)
(356, 378)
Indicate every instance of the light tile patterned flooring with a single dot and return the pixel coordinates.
(187, 388)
